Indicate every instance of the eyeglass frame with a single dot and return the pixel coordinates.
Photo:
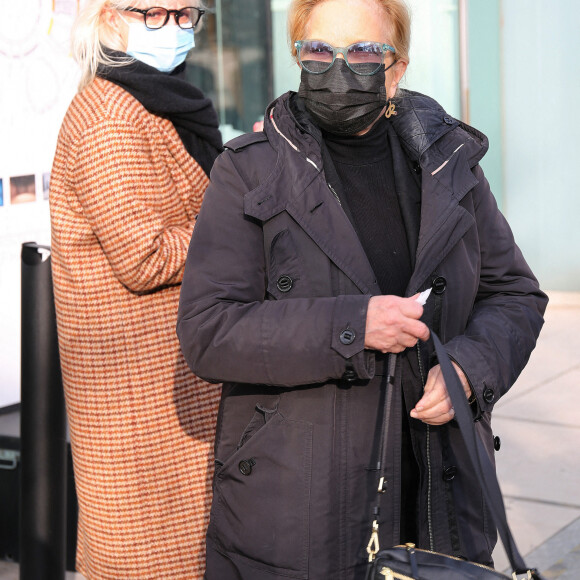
(344, 51)
(176, 14)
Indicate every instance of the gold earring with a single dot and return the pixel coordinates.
(390, 109)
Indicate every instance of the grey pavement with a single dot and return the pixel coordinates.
(538, 464)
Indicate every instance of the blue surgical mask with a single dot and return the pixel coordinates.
(163, 49)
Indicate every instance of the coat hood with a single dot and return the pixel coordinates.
(420, 122)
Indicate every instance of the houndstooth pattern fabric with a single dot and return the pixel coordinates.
(124, 195)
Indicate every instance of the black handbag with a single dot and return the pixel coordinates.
(410, 563)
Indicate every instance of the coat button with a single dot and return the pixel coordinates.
(448, 120)
(496, 443)
(449, 473)
(349, 375)
(284, 283)
(489, 395)
(245, 466)
(347, 336)
(439, 285)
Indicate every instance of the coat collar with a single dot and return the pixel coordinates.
(444, 148)
(421, 123)
(307, 197)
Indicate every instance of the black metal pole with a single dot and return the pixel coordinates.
(42, 425)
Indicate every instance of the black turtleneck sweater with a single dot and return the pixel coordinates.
(364, 168)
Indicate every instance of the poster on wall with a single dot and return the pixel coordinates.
(38, 79)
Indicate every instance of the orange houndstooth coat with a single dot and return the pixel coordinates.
(123, 199)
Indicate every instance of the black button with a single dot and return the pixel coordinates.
(439, 285)
(449, 473)
(448, 120)
(496, 443)
(284, 283)
(488, 395)
(245, 466)
(347, 336)
(349, 375)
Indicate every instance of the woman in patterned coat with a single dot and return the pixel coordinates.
(131, 167)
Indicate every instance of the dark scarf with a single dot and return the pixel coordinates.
(170, 96)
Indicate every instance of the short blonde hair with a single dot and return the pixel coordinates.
(396, 10)
(91, 33)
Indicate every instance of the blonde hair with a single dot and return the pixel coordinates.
(396, 10)
(91, 33)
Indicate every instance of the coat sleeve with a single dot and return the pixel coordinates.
(507, 315)
(116, 183)
(230, 332)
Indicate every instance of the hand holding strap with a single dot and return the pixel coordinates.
(480, 461)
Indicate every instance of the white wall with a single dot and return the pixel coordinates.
(38, 78)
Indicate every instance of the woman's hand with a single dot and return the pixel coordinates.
(393, 323)
(434, 407)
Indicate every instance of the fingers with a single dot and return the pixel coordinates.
(404, 340)
(441, 419)
(435, 406)
(393, 323)
(417, 329)
(412, 311)
(432, 405)
(410, 307)
(463, 379)
(435, 415)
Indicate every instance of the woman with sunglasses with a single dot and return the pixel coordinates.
(301, 293)
(131, 167)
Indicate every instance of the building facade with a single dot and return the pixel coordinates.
(508, 67)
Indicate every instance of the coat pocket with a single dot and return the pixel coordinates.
(285, 271)
(261, 503)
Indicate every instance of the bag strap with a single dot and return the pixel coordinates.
(373, 545)
(480, 461)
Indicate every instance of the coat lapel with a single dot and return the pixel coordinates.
(408, 188)
(320, 215)
(313, 206)
(305, 195)
(443, 221)
(311, 203)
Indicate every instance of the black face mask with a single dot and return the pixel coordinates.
(342, 102)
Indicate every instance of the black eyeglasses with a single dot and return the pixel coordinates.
(363, 58)
(158, 17)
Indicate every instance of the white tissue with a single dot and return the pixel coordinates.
(422, 298)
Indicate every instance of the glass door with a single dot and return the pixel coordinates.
(232, 62)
